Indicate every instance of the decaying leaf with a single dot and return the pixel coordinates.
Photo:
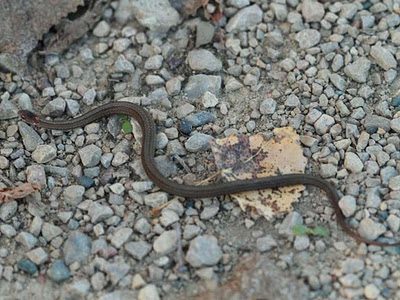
(247, 157)
(25, 189)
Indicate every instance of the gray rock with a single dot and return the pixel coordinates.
(204, 33)
(44, 153)
(166, 242)
(199, 84)
(308, 38)
(168, 217)
(73, 194)
(387, 173)
(371, 291)
(373, 122)
(120, 236)
(209, 100)
(198, 142)
(148, 292)
(353, 163)
(395, 125)
(30, 138)
(358, 70)
(203, 251)
(209, 212)
(90, 155)
(157, 15)
(37, 256)
(280, 11)
(8, 231)
(116, 271)
(26, 239)
(324, 123)
(77, 248)
(383, 57)
(370, 229)
(89, 96)
(55, 108)
(312, 11)
(7, 110)
(58, 272)
(292, 101)
(7, 210)
(156, 199)
(138, 250)
(102, 29)
(123, 65)
(266, 243)
(154, 62)
(292, 219)
(328, 170)
(99, 213)
(352, 265)
(245, 18)
(301, 242)
(50, 231)
(73, 107)
(203, 60)
(142, 226)
(348, 205)
(338, 81)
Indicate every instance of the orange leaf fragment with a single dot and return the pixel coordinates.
(247, 157)
(25, 189)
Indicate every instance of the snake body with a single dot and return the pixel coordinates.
(193, 191)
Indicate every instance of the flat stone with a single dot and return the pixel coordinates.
(37, 256)
(73, 194)
(44, 153)
(203, 60)
(138, 250)
(199, 84)
(308, 38)
(245, 18)
(58, 272)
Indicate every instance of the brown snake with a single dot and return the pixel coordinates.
(193, 191)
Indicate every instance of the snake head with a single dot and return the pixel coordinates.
(29, 117)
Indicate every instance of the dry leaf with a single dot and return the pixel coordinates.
(247, 157)
(25, 189)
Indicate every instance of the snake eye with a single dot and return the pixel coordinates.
(29, 117)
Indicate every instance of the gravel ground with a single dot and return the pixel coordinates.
(327, 69)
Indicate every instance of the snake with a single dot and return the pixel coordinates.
(194, 191)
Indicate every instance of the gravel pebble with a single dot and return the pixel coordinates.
(38, 256)
(58, 272)
(203, 251)
(203, 60)
(370, 229)
(90, 155)
(166, 242)
(353, 163)
(138, 249)
(44, 153)
(148, 292)
(266, 243)
(198, 142)
(73, 194)
(245, 18)
(77, 248)
(308, 38)
(383, 57)
(358, 70)
(348, 205)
